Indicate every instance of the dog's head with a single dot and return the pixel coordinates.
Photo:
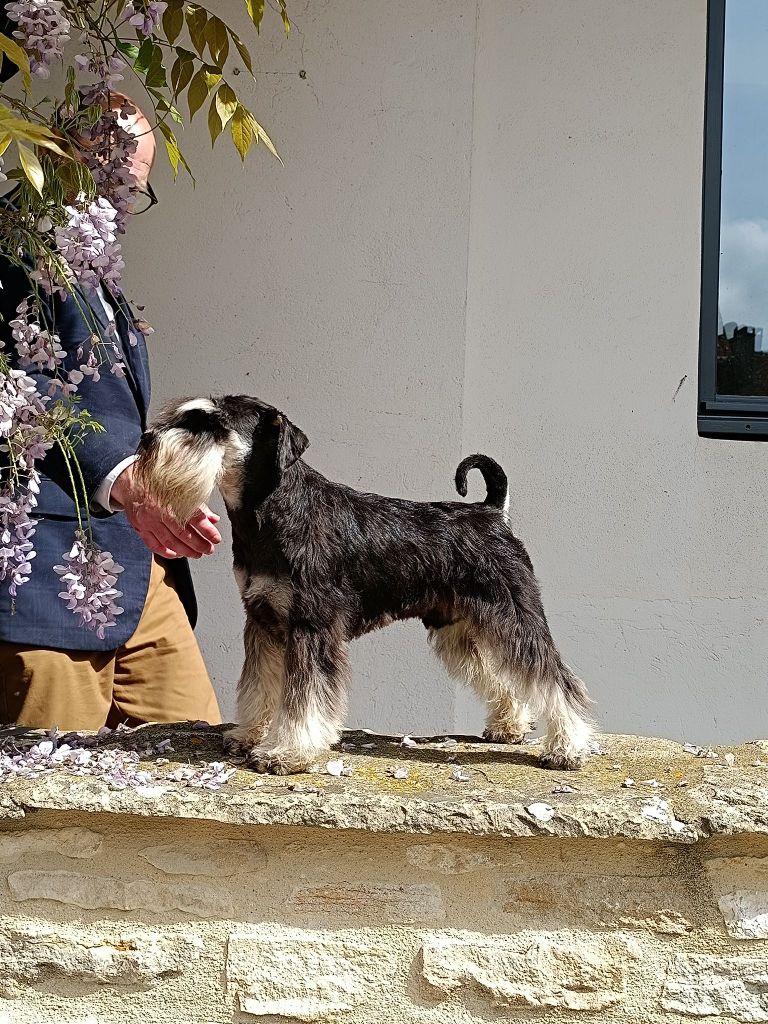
(230, 442)
(261, 429)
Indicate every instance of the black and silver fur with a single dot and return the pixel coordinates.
(319, 564)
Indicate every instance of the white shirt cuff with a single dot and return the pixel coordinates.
(102, 494)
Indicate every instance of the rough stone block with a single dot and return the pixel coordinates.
(303, 975)
(565, 970)
(29, 954)
(700, 985)
(649, 904)
(401, 904)
(740, 886)
(69, 842)
(100, 892)
(217, 859)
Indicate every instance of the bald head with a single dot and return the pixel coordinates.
(136, 123)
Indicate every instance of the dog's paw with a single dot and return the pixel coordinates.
(240, 741)
(277, 762)
(498, 734)
(564, 760)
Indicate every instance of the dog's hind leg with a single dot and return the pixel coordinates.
(514, 665)
(313, 703)
(462, 652)
(523, 641)
(259, 689)
(566, 705)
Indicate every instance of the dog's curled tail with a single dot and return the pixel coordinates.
(494, 476)
(181, 458)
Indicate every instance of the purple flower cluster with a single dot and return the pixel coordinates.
(41, 350)
(145, 18)
(90, 576)
(23, 441)
(43, 31)
(107, 69)
(88, 243)
(16, 531)
(109, 154)
(37, 348)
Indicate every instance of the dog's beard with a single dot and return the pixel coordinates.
(179, 469)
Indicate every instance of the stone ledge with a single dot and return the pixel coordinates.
(458, 786)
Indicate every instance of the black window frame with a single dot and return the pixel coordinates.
(736, 417)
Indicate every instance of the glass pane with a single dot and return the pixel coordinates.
(742, 342)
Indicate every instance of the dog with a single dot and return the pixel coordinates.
(319, 564)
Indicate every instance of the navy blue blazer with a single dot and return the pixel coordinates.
(39, 617)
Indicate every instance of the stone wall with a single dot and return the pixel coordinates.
(144, 907)
(127, 919)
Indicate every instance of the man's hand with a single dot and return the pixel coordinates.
(158, 529)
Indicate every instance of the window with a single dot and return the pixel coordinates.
(733, 370)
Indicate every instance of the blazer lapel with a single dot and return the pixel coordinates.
(134, 345)
(128, 343)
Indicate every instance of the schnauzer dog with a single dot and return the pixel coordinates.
(319, 564)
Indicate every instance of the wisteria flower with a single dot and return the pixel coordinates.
(109, 153)
(89, 575)
(147, 18)
(43, 31)
(37, 348)
(16, 532)
(88, 243)
(106, 68)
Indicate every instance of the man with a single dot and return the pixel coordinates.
(148, 666)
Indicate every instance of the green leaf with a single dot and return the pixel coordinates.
(17, 56)
(172, 147)
(212, 75)
(262, 136)
(173, 20)
(162, 104)
(256, 11)
(181, 75)
(284, 16)
(242, 131)
(5, 142)
(156, 72)
(218, 40)
(31, 166)
(214, 122)
(197, 18)
(198, 92)
(69, 89)
(226, 104)
(242, 49)
(130, 50)
(187, 168)
(18, 128)
(144, 56)
(182, 70)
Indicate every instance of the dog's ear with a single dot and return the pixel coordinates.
(291, 442)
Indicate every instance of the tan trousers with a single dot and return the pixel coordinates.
(157, 676)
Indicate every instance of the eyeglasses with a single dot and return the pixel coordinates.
(145, 200)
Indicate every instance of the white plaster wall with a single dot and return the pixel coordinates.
(335, 286)
(486, 237)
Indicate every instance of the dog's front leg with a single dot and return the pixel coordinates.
(310, 715)
(259, 689)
